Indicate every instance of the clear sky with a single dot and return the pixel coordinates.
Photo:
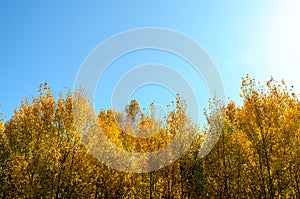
(48, 41)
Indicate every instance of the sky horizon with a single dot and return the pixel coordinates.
(48, 42)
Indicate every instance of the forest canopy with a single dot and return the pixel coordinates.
(43, 153)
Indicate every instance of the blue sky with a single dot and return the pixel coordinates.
(48, 41)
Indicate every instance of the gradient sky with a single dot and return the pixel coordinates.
(48, 40)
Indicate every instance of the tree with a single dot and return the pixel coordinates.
(52, 147)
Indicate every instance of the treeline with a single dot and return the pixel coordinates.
(43, 153)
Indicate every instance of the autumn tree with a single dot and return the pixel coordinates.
(55, 147)
(46, 157)
(258, 149)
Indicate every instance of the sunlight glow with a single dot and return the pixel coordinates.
(280, 44)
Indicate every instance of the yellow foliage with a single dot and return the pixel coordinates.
(1, 126)
(45, 153)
